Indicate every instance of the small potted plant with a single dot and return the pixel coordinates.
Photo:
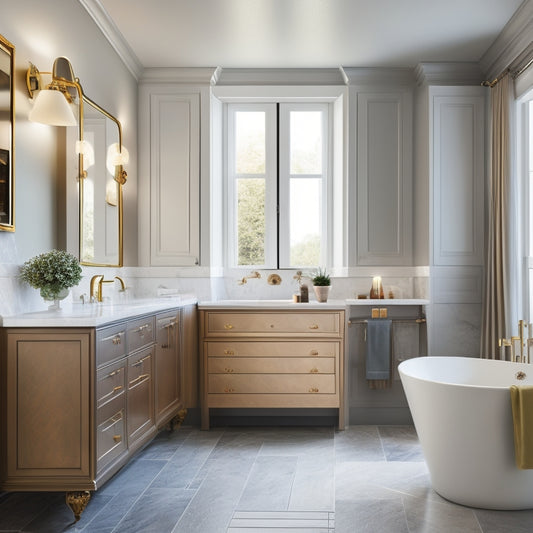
(53, 273)
(321, 285)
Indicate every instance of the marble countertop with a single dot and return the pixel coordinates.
(388, 301)
(313, 304)
(93, 314)
(99, 314)
(270, 304)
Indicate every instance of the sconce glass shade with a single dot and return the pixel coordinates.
(52, 108)
(116, 157)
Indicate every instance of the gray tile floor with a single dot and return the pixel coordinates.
(367, 479)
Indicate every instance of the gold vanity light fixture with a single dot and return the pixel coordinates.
(52, 102)
(52, 107)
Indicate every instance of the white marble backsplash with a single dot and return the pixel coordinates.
(210, 284)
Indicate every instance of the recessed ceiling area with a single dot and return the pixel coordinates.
(308, 33)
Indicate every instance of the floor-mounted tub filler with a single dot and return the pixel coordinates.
(461, 409)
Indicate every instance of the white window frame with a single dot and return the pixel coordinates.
(277, 240)
(270, 188)
(285, 179)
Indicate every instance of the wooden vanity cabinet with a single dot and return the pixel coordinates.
(76, 403)
(46, 410)
(272, 359)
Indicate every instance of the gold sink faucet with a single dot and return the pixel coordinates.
(97, 281)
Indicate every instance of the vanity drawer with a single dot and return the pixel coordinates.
(271, 384)
(110, 382)
(111, 438)
(271, 349)
(272, 324)
(140, 367)
(271, 365)
(141, 333)
(110, 344)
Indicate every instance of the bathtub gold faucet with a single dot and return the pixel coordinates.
(519, 355)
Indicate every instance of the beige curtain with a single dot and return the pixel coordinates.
(496, 301)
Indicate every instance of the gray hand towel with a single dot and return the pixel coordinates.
(378, 351)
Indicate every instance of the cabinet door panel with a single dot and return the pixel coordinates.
(174, 171)
(48, 407)
(166, 365)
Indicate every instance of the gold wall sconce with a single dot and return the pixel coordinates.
(101, 174)
(52, 106)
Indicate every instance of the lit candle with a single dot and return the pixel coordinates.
(376, 284)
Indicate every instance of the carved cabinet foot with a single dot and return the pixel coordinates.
(77, 501)
(177, 420)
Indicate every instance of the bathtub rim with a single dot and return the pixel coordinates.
(404, 365)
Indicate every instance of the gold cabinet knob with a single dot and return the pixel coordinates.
(313, 389)
(314, 352)
(229, 352)
(228, 326)
(228, 370)
(117, 438)
(313, 326)
(314, 370)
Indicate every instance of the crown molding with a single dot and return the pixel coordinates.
(183, 75)
(510, 43)
(448, 73)
(281, 76)
(102, 19)
(378, 75)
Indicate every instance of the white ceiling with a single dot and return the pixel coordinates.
(307, 33)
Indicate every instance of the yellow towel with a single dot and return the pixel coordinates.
(522, 404)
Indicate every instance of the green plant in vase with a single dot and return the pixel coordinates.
(53, 273)
(321, 285)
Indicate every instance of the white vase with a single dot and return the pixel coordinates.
(321, 292)
(50, 295)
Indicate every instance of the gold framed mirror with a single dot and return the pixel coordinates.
(7, 135)
(101, 177)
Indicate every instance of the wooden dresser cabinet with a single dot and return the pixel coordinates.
(76, 403)
(272, 359)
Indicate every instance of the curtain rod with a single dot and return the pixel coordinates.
(514, 75)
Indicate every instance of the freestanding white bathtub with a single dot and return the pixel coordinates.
(461, 409)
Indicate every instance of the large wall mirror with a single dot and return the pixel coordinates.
(7, 143)
(100, 188)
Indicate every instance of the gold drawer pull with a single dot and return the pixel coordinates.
(314, 352)
(141, 377)
(142, 360)
(313, 389)
(114, 373)
(117, 339)
(228, 370)
(140, 330)
(112, 421)
(229, 389)
(228, 326)
(314, 370)
(313, 326)
(117, 388)
(117, 438)
(229, 352)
